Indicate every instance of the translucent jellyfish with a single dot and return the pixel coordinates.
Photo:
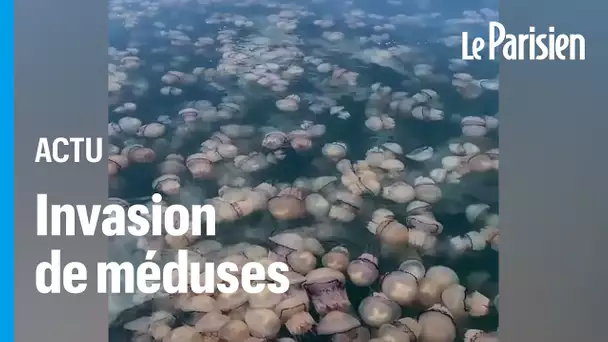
(337, 258)
(426, 113)
(286, 243)
(339, 325)
(152, 130)
(262, 323)
(378, 309)
(364, 270)
(427, 190)
(302, 262)
(300, 140)
(326, 289)
(384, 225)
(253, 162)
(287, 205)
(424, 223)
(210, 324)
(289, 104)
(116, 163)
(167, 184)
(436, 280)
(129, 125)
(401, 285)
(274, 140)
(199, 166)
(185, 333)
(399, 192)
(437, 324)
(137, 153)
(403, 330)
(476, 335)
(335, 150)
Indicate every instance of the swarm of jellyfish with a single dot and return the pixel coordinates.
(346, 140)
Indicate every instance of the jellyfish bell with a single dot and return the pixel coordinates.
(210, 324)
(189, 114)
(199, 166)
(424, 223)
(436, 280)
(302, 262)
(421, 154)
(286, 243)
(262, 323)
(288, 204)
(405, 329)
(139, 154)
(167, 184)
(427, 190)
(116, 163)
(152, 130)
(342, 326)
(364, 270)
(274, 140)
(265, 299)
(317, 205)
(300, 141)
(473, 126)
(401, 285)
(378, 309)
(184, 333)
(476, 335)
(129, 125)
(326, 289)
(480, 162)
(234, 330)
(172, 77)
(335, 150)
(384, 225)
(437, 324)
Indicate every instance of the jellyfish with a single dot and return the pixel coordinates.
(293, 312)
(116, 163)
(326, 289)
(262, 323)
(377, 310)
(274, 140)
(476, 335)
(337, 258)
(167, 184)
(185, 334)
(401, 285)
(287, 205)
(399, 192)
(421, 154)
(210, 324)
(301, 261)
(437, 324)
(363, 271)
(427, 190)
(199, 166)
(335, 151)
(404, 329)
(340, 325)
(286, 243)
(436, 280)
(384, 225)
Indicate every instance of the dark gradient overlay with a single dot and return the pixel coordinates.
(553, 180)
(60, 90)
(553, 172)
